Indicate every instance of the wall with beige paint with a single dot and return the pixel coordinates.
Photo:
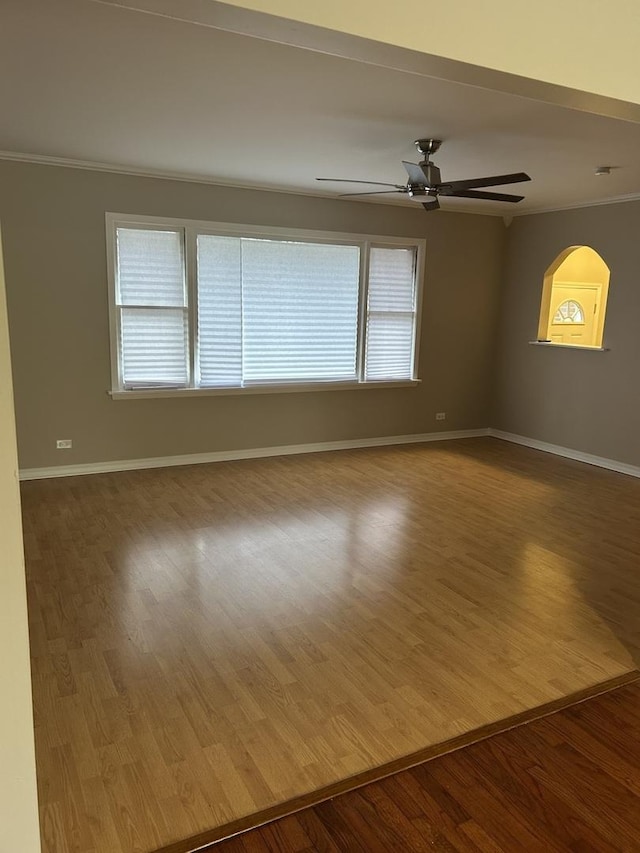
(585, 400)
(575, 43)
(18, 796)
(53, 219)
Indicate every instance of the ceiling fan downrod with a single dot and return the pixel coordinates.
(427, 147)
(431, 172)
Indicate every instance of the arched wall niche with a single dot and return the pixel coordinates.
(578, 275)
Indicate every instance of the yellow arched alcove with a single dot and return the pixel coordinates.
(574, 299)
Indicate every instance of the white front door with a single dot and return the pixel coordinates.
(574, 313)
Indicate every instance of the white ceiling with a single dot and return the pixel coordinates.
(90, 82)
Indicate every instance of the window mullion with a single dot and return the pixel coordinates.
(147, 306)
(363, 290)
(242, 323)
(391, 313)
(190, 260)
(418, 271)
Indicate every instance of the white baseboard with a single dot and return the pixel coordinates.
(319, 447)
(252, 453)
(569, 453)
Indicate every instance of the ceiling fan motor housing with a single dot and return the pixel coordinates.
(431, 174)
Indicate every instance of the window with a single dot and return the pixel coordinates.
(206, 307)
(391, 313)
(569, 311)
(152, 308)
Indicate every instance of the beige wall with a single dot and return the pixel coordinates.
(580, 399)
(18, 799)
(53, 220)
(583, 44)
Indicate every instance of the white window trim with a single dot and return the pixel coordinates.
(191, 228)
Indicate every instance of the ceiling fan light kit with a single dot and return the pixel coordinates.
(424, 180)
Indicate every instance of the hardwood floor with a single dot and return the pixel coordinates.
(567, 782)
(211, 641)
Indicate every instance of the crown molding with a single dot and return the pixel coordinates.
(194, 178)
(616, 199)
(140, 172)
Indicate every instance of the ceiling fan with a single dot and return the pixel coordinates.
(424, 181)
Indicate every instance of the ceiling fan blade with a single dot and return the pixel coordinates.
(375, 192)
(490, 196)
(416, 175)
(492, 181)
(350, 181)
(434, 204)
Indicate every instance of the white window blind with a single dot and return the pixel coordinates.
(152, 308)
(300, 311)
(219, 310)
(276, 311)
(391, 314)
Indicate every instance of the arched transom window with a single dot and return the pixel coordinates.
(569, 311)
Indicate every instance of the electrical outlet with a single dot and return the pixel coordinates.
(64, 444)
(441, 416)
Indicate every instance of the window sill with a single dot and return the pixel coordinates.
(260, 389)
(566, 346)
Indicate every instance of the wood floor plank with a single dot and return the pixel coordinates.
(503, 776)
(320, 839)
(515, 791)
(384, 809)
(211, 641)
(511, 830)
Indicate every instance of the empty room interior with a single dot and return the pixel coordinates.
(319, 426)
